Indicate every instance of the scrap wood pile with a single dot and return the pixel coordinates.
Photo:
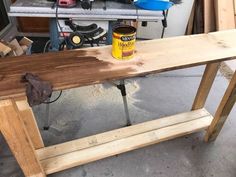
(213, 15)
(15, 47)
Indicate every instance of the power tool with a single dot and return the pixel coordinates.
(85, 4)
(64, 3)
(67, 3)
(79, 34)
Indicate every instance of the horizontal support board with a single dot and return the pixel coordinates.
(74, 153)
(117, 134)
(75, 68)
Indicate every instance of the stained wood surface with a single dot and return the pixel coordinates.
(74, 155)
(16, 136)
(76, 68)
(223, 110)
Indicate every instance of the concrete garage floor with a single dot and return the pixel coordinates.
(89, 110)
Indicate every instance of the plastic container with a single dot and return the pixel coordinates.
(156, 5)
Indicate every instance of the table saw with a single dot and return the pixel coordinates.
(102, 10)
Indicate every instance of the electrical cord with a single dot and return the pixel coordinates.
(91, 42)
(49, 102)
(46, 46)
(57, 20)
(164, 22)
(44, 51)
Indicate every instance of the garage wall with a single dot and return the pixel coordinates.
(177, 22)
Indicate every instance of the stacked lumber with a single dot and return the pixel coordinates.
(215, 15)
(15, 47)
(209, 16)
(4, 49)
(225, 14)
(226, 19)
(212, 15)
(196, 20)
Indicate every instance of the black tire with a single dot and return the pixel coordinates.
(76, 40)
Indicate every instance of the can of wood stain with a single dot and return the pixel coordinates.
(123, 42)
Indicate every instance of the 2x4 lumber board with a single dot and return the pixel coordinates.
(209, 16)
(80, 157)
(94, 140)
(30, 123)
(70, 69)
(16, 136)
(205, 85)
(223, 110)
(4, 50)
(234, 7)
(189, 29)
(225, 14)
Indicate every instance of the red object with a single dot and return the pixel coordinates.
(67, 3)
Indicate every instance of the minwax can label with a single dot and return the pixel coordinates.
(123, 42)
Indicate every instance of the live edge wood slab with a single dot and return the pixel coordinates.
(77, 68)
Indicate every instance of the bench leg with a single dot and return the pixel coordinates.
(30, 123)
(223, 111)
(205, 85)
(122, 89)
(16, 135)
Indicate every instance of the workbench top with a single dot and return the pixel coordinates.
(75, 68)
(101, 10)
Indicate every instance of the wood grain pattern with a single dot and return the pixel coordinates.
(224, 14)
(209, 16)
(126, 143)
(223, 111)
(30, 123)
(205, 85)
(76, 68)
(98, 139)
(189, 29)
(16, 136)
(234, 7)
(33, 24)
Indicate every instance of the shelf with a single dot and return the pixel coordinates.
(78, 152)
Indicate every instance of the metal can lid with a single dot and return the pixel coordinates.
(124, 29)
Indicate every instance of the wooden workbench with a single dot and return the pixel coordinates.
(71, 69)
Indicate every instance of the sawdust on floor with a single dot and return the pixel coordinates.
(226, 71)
